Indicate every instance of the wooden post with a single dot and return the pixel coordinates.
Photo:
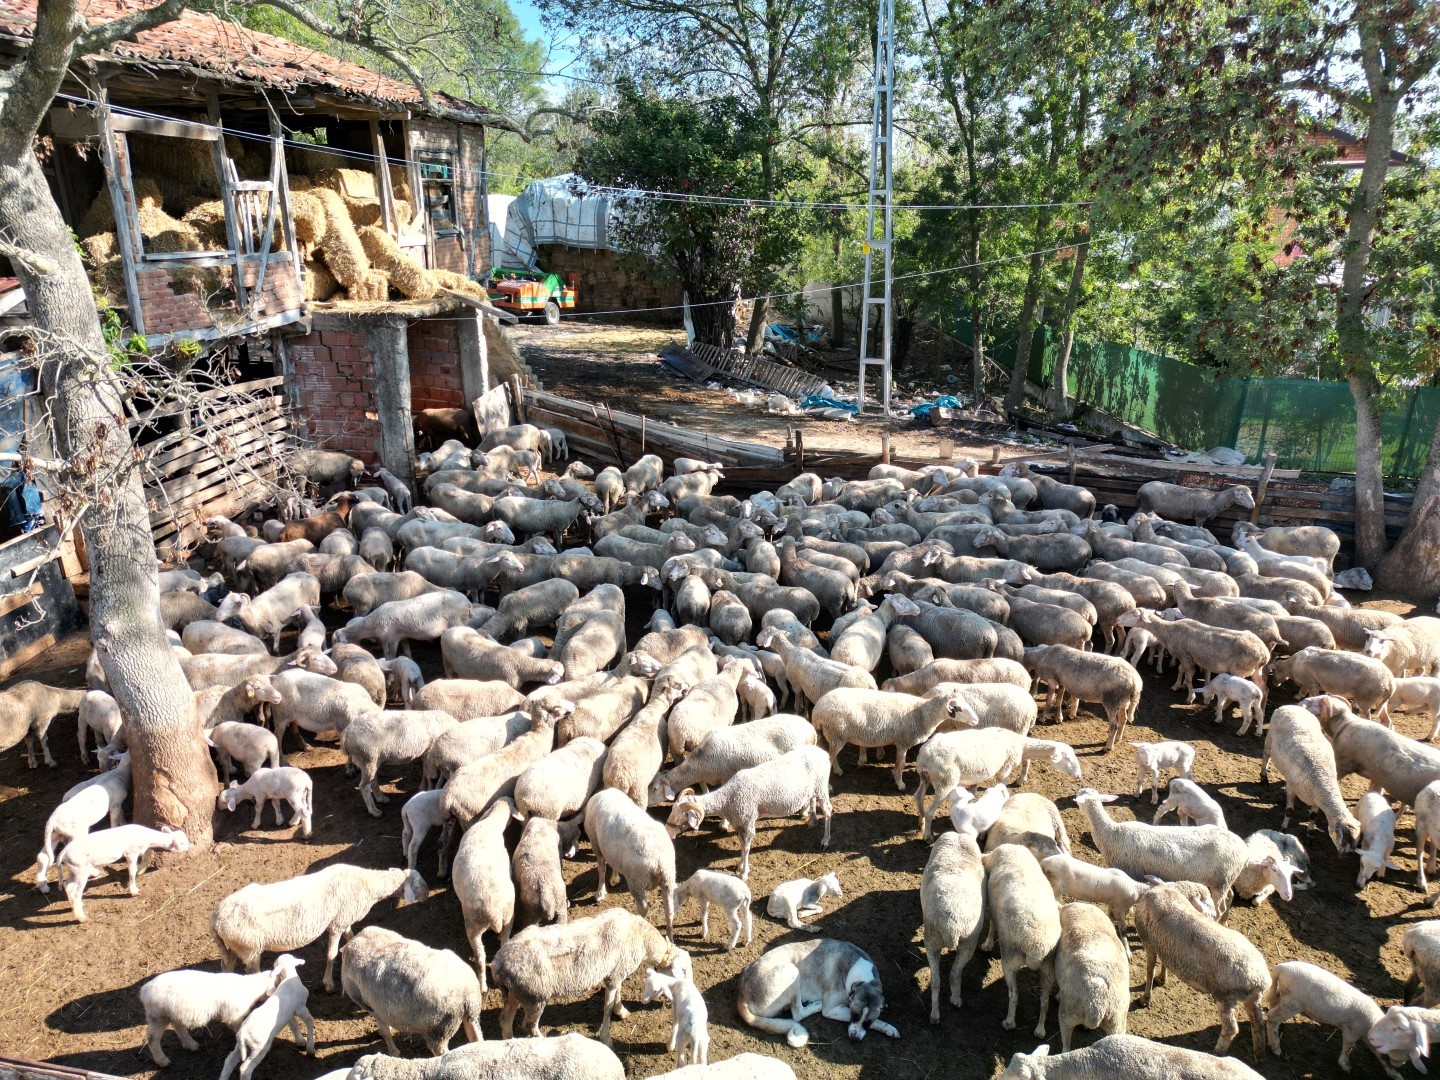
(799, 451)
(947, 449)
(1261, 486)
(994, 455)
(388, 218)
(227, 200)
(642, 431)
(1070, 454)
(517, 398)
(885, 448)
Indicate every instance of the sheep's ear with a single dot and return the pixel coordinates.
(234, 783)
(1390, 864)
(686, 794)
(1042, 1051)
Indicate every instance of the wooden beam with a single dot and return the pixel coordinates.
(480, 305)
(175, 129)
(1260, 487)
(117, 182)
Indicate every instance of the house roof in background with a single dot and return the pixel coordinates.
(200, 43)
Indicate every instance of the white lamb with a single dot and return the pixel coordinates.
(418, 816)
(249, 744)
(1227, 690)
(283, 1007)
(84, 856)
(792, 899)
(728, 893)
(1113, 889)
(1419, 693)
(1377, 837)
(1153, 758)
(690, 1035)
(275, 786)
(1139, 641)
(1301, 989)
(1191, 804)
(973, 816)
(83, 806)
(194, 999)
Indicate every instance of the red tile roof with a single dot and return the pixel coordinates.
(237, 55)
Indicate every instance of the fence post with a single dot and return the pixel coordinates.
(1260, 487)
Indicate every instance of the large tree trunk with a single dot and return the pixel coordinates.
(714, 322)
(1369, 474)
(837, 302)
(755, 335)
(1412, 566)
(173, 779)
(1060, 384)
(1035, 278)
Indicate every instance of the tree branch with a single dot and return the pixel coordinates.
(106, 34)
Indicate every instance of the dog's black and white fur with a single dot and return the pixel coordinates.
(833, 978)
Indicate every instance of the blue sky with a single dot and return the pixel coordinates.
(555, 40)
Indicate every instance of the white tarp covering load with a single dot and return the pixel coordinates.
(496, 209)
(553, 211)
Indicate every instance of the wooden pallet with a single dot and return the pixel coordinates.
(755, 370)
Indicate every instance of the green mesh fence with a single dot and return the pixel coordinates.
(1309, 425)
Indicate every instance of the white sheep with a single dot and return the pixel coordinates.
(689, 1033)
(1419, 693)
(1126, 1057)
(283, 1007)
(1377, 837)
(631, 843)
(1138, 642)
(418, 816)
(1405, 1033)
(188, 999)
(875, 718)
(724, 752)
(1301, 989)
(275, 786)
(1227, 690)
(1092, 973)
(380, 738)
(482, 883)
(1114, 889)
(100, 713)
(1269, 851)
(411, 988)
(82, 806)
(796, 782)
(973, 817)
(1024, 920)
(792, 899)
(86, 855)
(249, 744)
(1307, 762)
(726, 892)
(560, 783)
(292, 913)
(952, 903)
(1153, 758)
(1191, 804)
(1427, 831)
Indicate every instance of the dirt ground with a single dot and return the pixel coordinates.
(618, 364)
(72, 997)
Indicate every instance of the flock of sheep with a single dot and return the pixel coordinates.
(971, 591)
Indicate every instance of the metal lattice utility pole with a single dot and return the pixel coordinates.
(879, 223)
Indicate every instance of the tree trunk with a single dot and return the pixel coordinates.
(714, 322)
(174, 780)
(1060, 384)
(837, 303)
(755, 335)
(1412, 566)
(1035, 279)
(1369, 474)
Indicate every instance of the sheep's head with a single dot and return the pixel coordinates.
(658, 987)
(960, 711)
(686, 815)
(312, 659)
(1243, 497)
(644, 665)
(829, 885)
(228, 796)
(231, 607)
(578, 470)
(413, 890)
(882, 516)
(258, 690)
(1401, 1035)
(901, 605)
(1090, 797)
(1378, 643)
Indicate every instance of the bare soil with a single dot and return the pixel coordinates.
(71, 995)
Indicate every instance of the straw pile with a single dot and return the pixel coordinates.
(107, 276)
(181, 168)
(308, 213)
(342, 251)
(319, 283)
(208, 220)
(407, 275)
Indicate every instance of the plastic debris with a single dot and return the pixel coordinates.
(1354, 578)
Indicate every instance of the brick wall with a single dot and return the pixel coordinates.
(333, 376)
(435, 364)
(612, 282)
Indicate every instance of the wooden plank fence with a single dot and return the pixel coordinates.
(755, 370)
(37, 603)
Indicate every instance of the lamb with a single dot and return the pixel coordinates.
(1377, 837)
(1215, 960)
(540, 895)
(284, 1006)
(1087, 676)
(638, 751)
(1025, 920)
(1404, 1033)
(1365, 682)
(1126, 1057)
(1400, 765)
(1227, 690)
(1301, 989)
(1307, 763)
(1420, 944)
(1192, 504)
(812, 677)
(1153, 758)
(418, 816)
(397, 623)
(952, 902)
(26, 712)
(87, 854)
(379, 738)
(726, 751)
(791, 899)
(542, 963)
(274, 785)
(873, 718)
(400, 495)
(191, 999)
(1092, 973)
(1418, 693)
(689, 1035)
(99, 713)
(469, 654)
(1257, 883)
(560, 784)
(1191, 804)
(1114, 889)
(1030, 819)
(403, 679)
(410, 988)
(481, 880)
(252, 746)
(634, 845)
(795, 782)
(728, 893)
(974, 758)
(1208, 854)
(989, 670)
(1138, 642)
(292, 913)
(84, 805)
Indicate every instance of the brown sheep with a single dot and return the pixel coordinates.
(318, 526)
(433, 426)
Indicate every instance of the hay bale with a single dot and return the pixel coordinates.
(181, 168)
(319, 283)
(374, 285)
(407, 275)
(107, 275)
(448, 279)
(100, 217)
(340, 247)
(363, 213)
(208, 220)
(308, 213)
(164, 233)
(351, 183)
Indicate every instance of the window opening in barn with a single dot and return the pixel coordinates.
(437, 178)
